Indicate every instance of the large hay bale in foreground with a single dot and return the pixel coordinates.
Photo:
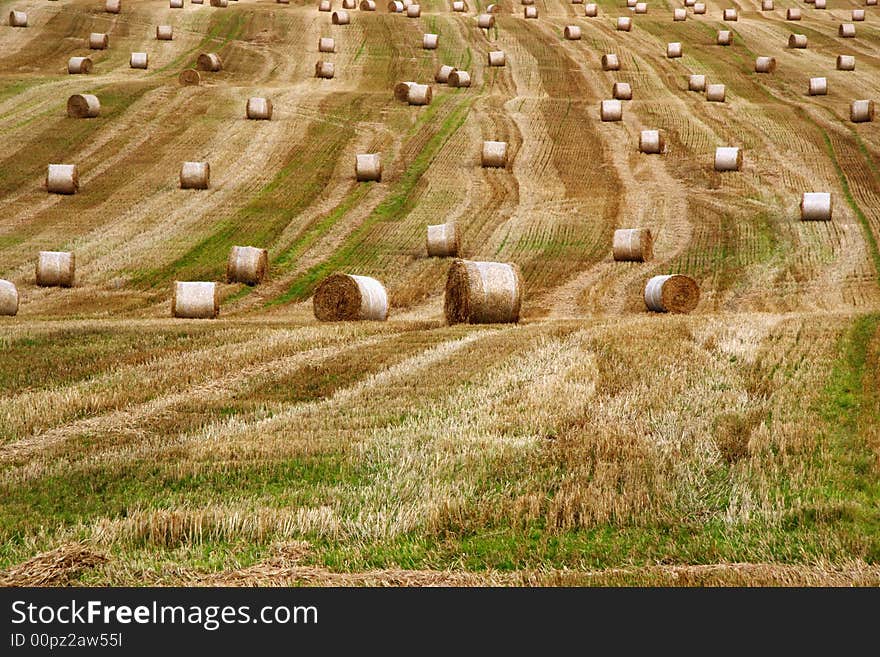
(56, 269)
(632, 244)
(79, 65)
(139, 60)
(195, 300)
(209, 61)
(818, 87)
(83, 106)
(98, 41)
(368, 166)
(482, 293)
(189, 77)
(443, 240)
(164, 33)
(861, 111)
(347, 297)
(651, 142)
(18, 19)
(62, 179)
(259, 109)
(816, 206)
(247, 264)
(728, 158)
(195, 175)
(8, 298)
(672, 294)
(494, 154)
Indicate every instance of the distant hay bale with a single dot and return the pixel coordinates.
(861, 111)
(486, 21)
(716, 93)
(622, 91)
(870, 3)
(401, 91)
(259, 109)
(672, 294)
(591, 10)
(8, 298)
(846, 63)
(62, 179)
(443, 240)
(730, 15)
(349, 4)
(765, 64)
(442, 74)
(767, 5)
(816, 206)
(857, 15)
(340, 17)
(793, 14)
(346, 297)
(326, 44)
(624, 24)
(818, 87)
(725, 38)
(195, 175)
(699, 8)
(611, 110)
(83, 106)
(419, 94)
(527, 2)
(368, 5)
(280, 2)
(325, 70)
(139, 60)
(797, 41)
(679, 14)
(820, 4)
(459, 6)
(697, 82)
(494, 154)
(497, 58)
(164, 33)
(98, 41)
(175, 4)
(530, 12)
(414, 11)
(651, 142)
(325, 5)
(632, 244)
(641, 8)
(728, 158)
(195, 300)
(572, 32)
(113, 6)
(201, 2)
(459, 79)
(610, 62)
(56, 269)
(76, 65)
(220, 3)
(368, 166)
(482, 293)
(430, 41)
(690, 3)
(396, 7)
(247, 264)
(846, 31)
(673, 50)
(189, 77)
(18, 19)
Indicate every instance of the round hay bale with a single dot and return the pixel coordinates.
(673, 50)
(572, 32)
(591, 10)
(697, 82)
(765, 64)
(139, 60)
(624, 24)
(715, 93)
(728, 158)
(797, 41)
(340, 17)
(846, 31)
(497, 58)
(699, 8)
(611, 110)
(672, 294)
(459, 79)
(767, 5)
(793, 14)
(651, 142)
(325, 5)
(459, 6)
(816, 206)
(349, 4)
(189, 77)
(494, 154)
(725, 38)
(280, 2)
(62, 179)
(209, 61)
(622, 91)
(401, 91)
(220, 3)
(164, 33)
(730, 15)
(679, 14)
(195, 175)
(527, 2)
(861, 111)
(83, 106)
(690, 3)
(346, 297)
(482, 293)
(8, 298)
(175, 4)
(368, 5)
(200, 2)
(820, 4)
(326, 44)
(610, 62)
(76, 65)
(530, 12)
(443, 240)
(818, 87)
(577, 2)
(486, 21)
(368, 166)
(857, 15)
(419, 94)
(325, 70)
(430, 41)
(113, 6)
(870, 3)
(641, 8)
(195, 300)
(414, 11)
(247, 264)
(259, 109)
(631, 3)
(56, 269)
(441, 76)
(846, 63)
(396, 7)
(18, 19)
(633, 244)
(98, 41)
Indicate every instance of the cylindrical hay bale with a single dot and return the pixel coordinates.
(631, 3)
(793, 14)
(414, 11)
(679, 14)
(857, 15)
(690, 3)
(611, 110)
(672, 294)
(395, 7)
(818, 87)
(633, 244)
(491, 9)
(591, 10)
(189, 77)
(259, 109)
(572, 32)
(767, 5)
(219, 3)
(325, 5)
(651, 142)
(673, 49)
(486, 21)
(17, 19)
(195, 300)
(870, 3)
(765, 64)
(482, 293)
(139, 60)
(79, 65)
(622, 91)
(401, 91)
(715, 93)
(326, 44)
(641, 8)
(820, 4)
(494, 154)
(175, 4)
(730, 15)
(497, 58)
(624, 24)
(459, 6)
(325, 70)
(62, 179)
(113, 6)
(56, 269)
(349, 4)
(442, 74)
(419, 94)
(846, 31)
(577, 2)
(368, 166)
(816, 206)
(610, 62)
(247, 264)
(530, 12)
(368, 5)
(861, 111)
(83, 106)
(443, 240)
(728, 158)
(846, 63)
(430, 41)
(699, 7)
(527, 2)
(98, 41)
(164, 32)
(725, 38)
(209, 61)
(797, 41)
(8, 298)
(280, 2)
(195, 175)
(340, 17)
(459, 79)
(345, 297)
(697, 82)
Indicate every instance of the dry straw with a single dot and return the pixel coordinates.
(622, 91)
(139, 60)
(624, 24)
(497, 58)
(730, 15)
(209, 61)
(572, 32)
(62, 179)
(816, 206)
(8, 298)
(482, 293)
(459, 79)
(430, 41)
(610, 62)
(846, 31)
(247, 264)
(443, 240)
(326, 44)
(56, 269)
(861, 111)
(113, 6)
(591, 10)
(725, 38)
(195, 300)
(98, 41)
(77, 65)
(716, 93)
(259, 109)
(189, 77)
(195, 175)
(325, 70)
(340, 17)
(530, 12)
(633, 244)
(728, 158)
(846, 63)
(494, 154)
(697, 82)
(83, 106)
(442, 74)
(18, 19)
(765, 64)
(414, 11)
(673, 50)
(368, 166)
(818, 87)
(651, 142)
(611, 110)
(346, 297)
(164, 32)
(797, 41)
(672, 294)
(679, 14)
